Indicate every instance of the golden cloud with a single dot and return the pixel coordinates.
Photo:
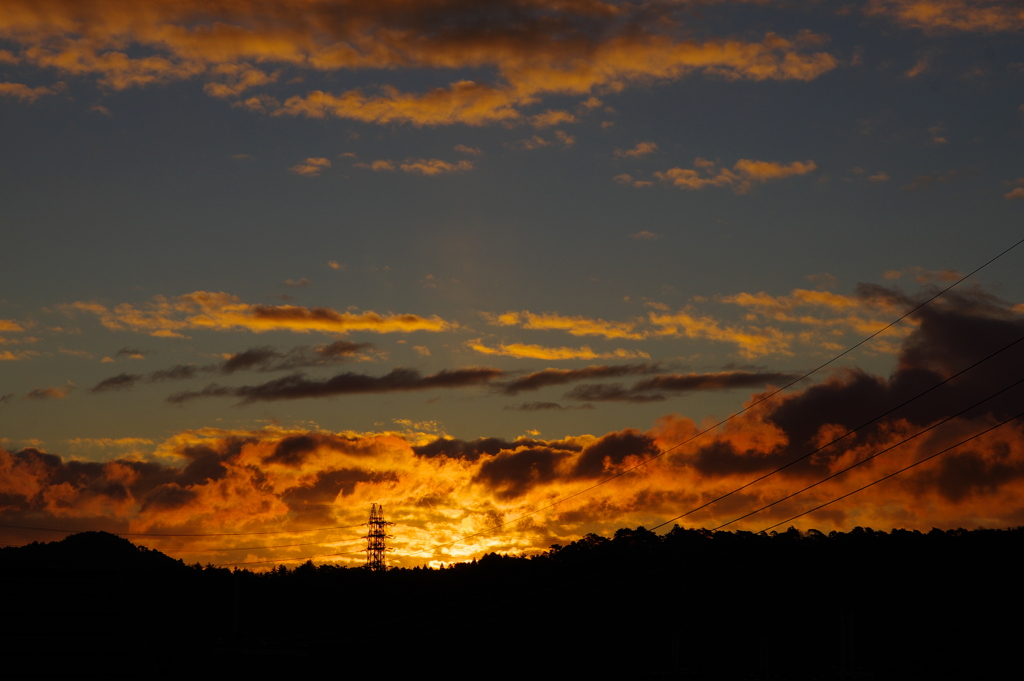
(536, 49)
(456, 499)
(527, 351)
(744, 174)
(311, 167)
(641, 149)
(978, 16)
(577, 326)
(434, 166)
(751, 341)
(28, 94)
(219, 311)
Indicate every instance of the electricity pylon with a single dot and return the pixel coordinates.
(376, 548)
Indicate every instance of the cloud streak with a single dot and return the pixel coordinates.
(219, 311)
(298, 386)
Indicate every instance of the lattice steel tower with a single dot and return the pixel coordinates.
(376, 548)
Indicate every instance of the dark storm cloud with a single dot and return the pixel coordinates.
(511, 474)
(120, 382)
(268, 359)
(297, 386)
(960, 475)
(544, 406)
(263, 359)
(611, 392)
(178, 372)
(167, 497)
(548, 377)
(611, 450)
(954, 332)
(657, 389)
(293, 450)
(490, 446)
(677, 383)
(329, 485)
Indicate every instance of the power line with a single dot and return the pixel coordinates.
(165, 534)
(895, 473)
(740, 412)
(218, 549)
(841, 437)
(873, 456)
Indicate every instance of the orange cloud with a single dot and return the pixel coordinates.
(1017, 192)
(526, 351)
(168, 317)
(978, 16)
(751, 341)
(311, 167)
(434, 166)
(55, 393)
(577, 326)
(551, 117)
(744, 174)
(534, 49)
(641, 149)
(627, 179)
(28, 94)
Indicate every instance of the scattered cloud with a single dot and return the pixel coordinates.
(298, 386)
(311, 167)
(641, 149)
(380, 165)
(551, 118)
(924, 182)
(937, 134)
(645, 235)
(545, 406)
(26, 94)
(976, 16)
(627, 179)
(470, 151)
(263, 359)
(55, 393)
(744, 174)
(549, 377)
(527, 351)
(919, 67)
(168, 317)
(530, 143)
(434, 166)
(660, 387)
(300, 283)
(577, 326)
(1018, 189)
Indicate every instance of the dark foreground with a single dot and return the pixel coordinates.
(689, 605)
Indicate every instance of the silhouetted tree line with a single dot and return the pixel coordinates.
(689, 604)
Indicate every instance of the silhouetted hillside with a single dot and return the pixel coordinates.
(88, 550)
(688, 604)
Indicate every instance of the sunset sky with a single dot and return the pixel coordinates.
(268, 262)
